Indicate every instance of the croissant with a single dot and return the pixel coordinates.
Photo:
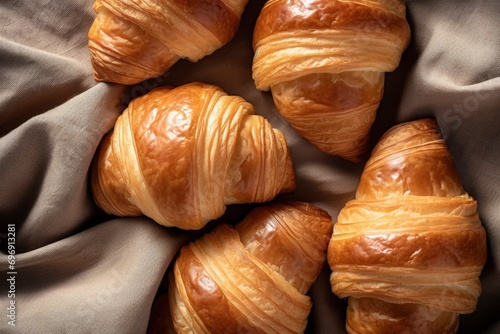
(324, 62)
(252, 278)
(131, 41)
(409, 249)
(180, 155)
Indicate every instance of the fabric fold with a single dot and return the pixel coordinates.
(80, 271)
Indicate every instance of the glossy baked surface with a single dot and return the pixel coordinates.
(131, 41)
(251, 278)
(411, 237)
(324, 62)
(181, 155)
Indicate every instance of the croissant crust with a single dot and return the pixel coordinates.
(181, 155)
(411, 237)
(242, 279)
(324, 62)
(131, 41)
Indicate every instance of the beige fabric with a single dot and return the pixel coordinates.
(79, 271)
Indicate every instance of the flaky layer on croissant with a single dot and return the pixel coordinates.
(251, 278)
(411, 237)
(180, 155)
(324, 62)
(371, 315)
(131, 41)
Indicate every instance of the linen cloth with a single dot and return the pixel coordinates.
(80, 271)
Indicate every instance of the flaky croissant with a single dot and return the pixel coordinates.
(252, 278)
(324, 62)
(408, 251)
(131, 41)
(180, 155)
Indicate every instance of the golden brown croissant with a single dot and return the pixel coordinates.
(180, 155)
(324, 62)
(251, 278)
(408, 251)
(131, 41)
